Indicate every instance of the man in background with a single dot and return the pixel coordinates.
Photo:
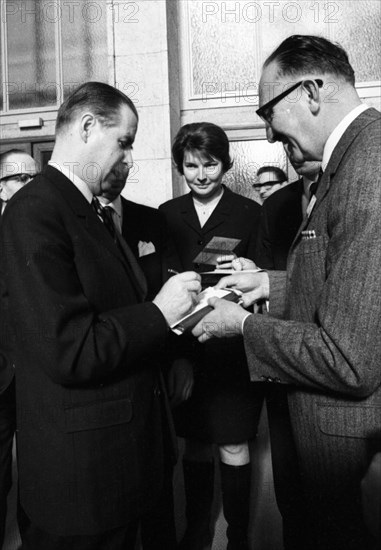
(281, 216)
(270, 179)
(145, 231)
(16, 169)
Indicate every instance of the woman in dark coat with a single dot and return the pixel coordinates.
(218, 403)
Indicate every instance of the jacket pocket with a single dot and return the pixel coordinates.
(350, 421)
(100, 414)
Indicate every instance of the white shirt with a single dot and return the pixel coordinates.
(204, 210)
(338, 132)
(78, 182)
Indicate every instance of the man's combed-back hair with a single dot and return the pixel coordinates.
(303, 54)
(204, 138)
(102, 100)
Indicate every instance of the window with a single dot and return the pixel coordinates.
(47, 49)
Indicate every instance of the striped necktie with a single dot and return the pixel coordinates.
(138, 277)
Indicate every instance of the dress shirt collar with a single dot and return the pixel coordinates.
(77, 181)
(115, 204)
(338, 132)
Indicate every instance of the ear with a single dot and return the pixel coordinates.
(312, 88)
(87, 124)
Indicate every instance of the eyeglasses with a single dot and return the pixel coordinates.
(266, 111)
(21, 178)
(266, 183)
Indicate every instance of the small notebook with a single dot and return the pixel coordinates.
(202, 308)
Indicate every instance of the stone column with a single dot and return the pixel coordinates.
(146, 67)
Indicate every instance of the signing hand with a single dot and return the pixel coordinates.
(180, 381)
(224, 321)
(178, 295)
(254, 286)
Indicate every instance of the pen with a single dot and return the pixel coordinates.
(173, 271)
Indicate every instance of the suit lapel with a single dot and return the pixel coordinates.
(90, 221)
(350, 134)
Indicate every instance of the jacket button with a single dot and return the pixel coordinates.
(157, 392)
(200, 241)
(197, 266)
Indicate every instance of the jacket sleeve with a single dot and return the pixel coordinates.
(337, 347)
(55, 323)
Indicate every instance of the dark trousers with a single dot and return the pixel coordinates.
(34, 538)
(7, 430)
(287, 476)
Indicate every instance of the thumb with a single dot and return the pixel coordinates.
(214, 302)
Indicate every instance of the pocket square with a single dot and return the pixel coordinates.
(309, 234)
(145, 248)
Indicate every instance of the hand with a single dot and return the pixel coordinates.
(224, 321)
(225, 261)
(178, 295)
(180, 381)
(242, 264)
(254, 286)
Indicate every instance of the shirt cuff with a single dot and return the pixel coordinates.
(243, 321)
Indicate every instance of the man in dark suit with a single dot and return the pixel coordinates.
(327, 345)
(281, 216)
(145, 231)
(16, 169)
(89, 403)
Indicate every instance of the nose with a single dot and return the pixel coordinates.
(201, 174)
(128, 158)
(270, 134)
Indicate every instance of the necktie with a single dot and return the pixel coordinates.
(315, 184)
(138, 278)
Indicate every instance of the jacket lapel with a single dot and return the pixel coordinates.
(350, 134)
(89, 219)
(221, 213)
(189, 214)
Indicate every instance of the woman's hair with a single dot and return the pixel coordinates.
(207, 139)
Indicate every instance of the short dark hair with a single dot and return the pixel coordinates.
(205, 137)
(103, 100)
(300, 54)
(281, 176)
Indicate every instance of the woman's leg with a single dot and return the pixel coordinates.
(235, 485)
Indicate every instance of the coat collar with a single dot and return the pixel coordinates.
(219, 215)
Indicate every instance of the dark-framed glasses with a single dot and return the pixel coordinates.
(21, 178)
(266, 111)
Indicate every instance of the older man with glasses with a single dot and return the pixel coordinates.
(322, 334)
(16, 169)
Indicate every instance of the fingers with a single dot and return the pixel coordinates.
(226, 282)
(188, 276)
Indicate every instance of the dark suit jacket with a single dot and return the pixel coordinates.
(331, 347)
(88, 405)
(234, 216)
(6, 364)
(281, 216)
(142, 223)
